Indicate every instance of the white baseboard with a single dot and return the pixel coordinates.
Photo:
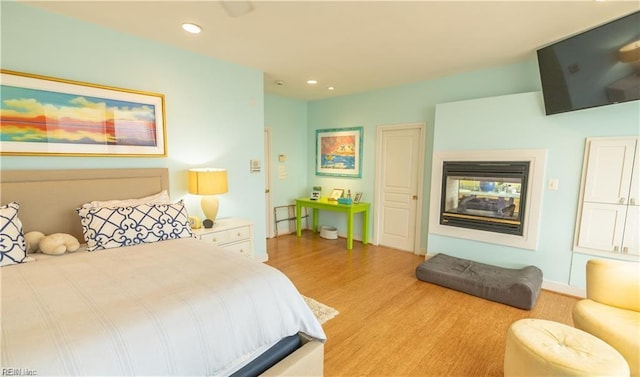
(564, 288)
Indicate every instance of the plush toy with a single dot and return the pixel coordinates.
(32, 239)
(53, 244)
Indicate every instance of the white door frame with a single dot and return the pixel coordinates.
(421, 126)
(267, 182)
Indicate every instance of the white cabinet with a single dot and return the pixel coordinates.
(609, 211)
(230, 234)
(609, 171)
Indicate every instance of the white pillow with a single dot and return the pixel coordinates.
(160, 198)
(13, 248)
(111, 227)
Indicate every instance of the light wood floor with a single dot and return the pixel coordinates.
(390, 323)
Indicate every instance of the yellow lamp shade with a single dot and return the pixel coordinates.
(208, 182)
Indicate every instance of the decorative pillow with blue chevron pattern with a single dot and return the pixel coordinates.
(111, 227)
(13, 248)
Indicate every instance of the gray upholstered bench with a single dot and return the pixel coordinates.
(515, 287)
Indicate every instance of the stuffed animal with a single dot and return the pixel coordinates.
(32, 239)
(53, 244)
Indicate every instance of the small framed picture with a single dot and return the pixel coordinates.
(336, 193)
(357, 198)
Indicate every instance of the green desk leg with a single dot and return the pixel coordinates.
(365, 226)
(315, 219)
(349, 230)
(298, 219)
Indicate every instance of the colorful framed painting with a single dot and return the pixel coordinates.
(339, 152)
(42, 115)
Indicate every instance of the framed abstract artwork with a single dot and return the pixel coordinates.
(339, 152)
(47, 116)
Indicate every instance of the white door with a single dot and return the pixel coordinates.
(267, 182)
(399, 167)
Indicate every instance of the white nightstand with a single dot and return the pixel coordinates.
(230, 234)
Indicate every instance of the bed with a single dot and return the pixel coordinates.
(170, 307)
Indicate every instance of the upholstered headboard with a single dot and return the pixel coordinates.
(49, 198)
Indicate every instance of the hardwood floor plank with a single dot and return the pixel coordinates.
(390, 323)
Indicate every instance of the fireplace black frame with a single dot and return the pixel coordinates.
(486, 169)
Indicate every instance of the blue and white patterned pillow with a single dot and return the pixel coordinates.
(111, 227)
(13, 248)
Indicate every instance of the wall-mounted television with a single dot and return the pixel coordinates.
(597, 67)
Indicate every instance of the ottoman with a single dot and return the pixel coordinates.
(537, 347)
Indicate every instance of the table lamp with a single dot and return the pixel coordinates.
(208, 183)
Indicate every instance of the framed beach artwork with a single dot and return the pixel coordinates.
(339, 152)
(47, 116)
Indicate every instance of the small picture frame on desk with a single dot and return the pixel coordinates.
(335, 194)
(357, 198)
(316, 193)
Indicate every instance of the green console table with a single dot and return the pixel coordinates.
(326, 205)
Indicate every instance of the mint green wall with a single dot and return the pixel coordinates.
(412, 103)
(493, 113)
(214, 109)
(287, 119)
(518, 122)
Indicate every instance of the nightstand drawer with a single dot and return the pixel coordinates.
(241, 233)
(216, 238)
(230, 234)
(243, 248)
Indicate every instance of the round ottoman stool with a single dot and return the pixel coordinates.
(537, 347)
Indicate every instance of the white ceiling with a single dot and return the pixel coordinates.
(354, 46)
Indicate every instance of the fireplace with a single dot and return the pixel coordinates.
(485, 195)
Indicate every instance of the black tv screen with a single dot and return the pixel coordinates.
(589, 69)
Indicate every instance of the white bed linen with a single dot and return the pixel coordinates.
(178, 307)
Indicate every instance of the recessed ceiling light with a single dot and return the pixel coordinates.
(312, 82)
(331, 88)
(191, 28)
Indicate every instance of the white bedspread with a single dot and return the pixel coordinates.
(175, 307)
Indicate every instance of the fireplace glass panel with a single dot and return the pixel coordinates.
(484, 196)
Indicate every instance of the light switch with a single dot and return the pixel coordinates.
(553, 184)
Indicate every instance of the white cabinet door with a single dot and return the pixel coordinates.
(609, 168)
(634, 191)
(631, 238)
(602, 226)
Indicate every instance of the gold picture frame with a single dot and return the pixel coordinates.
(43, 115)
(335, 194)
